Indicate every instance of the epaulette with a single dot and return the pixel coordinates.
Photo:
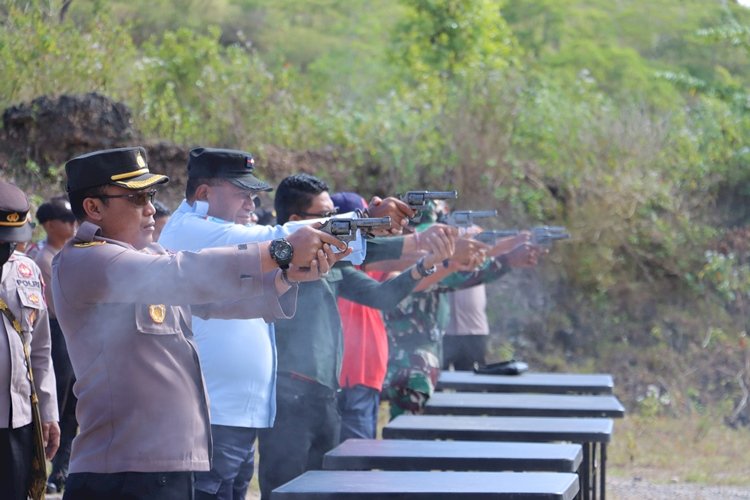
(87, 244)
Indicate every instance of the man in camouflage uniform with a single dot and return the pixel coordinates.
(416, 326)
(415, 331)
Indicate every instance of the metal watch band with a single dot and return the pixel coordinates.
(421, 269)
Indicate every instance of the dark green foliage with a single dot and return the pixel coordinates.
(626, 121)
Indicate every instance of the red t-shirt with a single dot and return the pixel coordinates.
(365, 343)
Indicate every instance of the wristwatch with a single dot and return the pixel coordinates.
(281, 252)
(425, 272)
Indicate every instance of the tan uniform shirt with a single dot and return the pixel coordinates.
(21, 289)
(43, 259)
(468, 312)
(126, 315)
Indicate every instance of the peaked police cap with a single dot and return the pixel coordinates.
(124, 167)
(234, 166)
(14, 214)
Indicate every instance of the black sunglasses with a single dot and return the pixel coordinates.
(321, 215)
(139, 199)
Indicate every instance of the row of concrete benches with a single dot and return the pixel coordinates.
(547, 432)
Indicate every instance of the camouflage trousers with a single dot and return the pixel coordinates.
(413, 369)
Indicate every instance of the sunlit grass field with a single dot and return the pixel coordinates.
(700, 450)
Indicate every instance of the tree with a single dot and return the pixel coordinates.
(446, 38)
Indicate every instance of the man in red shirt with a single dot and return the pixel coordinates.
(365, 358)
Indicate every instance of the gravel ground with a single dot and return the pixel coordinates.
(632, 489)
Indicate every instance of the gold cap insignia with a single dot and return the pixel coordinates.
(157, 312)
(140, 161)
(13, 217)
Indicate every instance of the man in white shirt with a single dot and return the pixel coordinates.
(238, 357)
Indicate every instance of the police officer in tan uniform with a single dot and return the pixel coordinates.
(125, 308)
(60, 224)
(21, 292)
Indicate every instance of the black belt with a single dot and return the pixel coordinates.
(292, 383)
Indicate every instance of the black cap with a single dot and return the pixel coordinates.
(124, 167)
(235, 166)
(14, 214)
(55, 209)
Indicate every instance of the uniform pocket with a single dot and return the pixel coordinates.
(156, 319)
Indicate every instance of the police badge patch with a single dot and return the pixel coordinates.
(157, 312)
(24, 270)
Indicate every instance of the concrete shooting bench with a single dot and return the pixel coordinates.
(522, 404)
(412, 455)
(355, 485)
(544, 383)
(592, 433)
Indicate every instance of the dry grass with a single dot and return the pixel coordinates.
(699, 450)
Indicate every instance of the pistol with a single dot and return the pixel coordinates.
(490, 237)
(418, 199)
(465, 218)
(346, 229)
(540, 235)
(546, 235)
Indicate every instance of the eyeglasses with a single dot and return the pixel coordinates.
(321, 215)
(139, 199)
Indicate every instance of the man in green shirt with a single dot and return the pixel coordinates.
(310, 344)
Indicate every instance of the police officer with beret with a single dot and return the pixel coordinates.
(24, 314)
(125, 307)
